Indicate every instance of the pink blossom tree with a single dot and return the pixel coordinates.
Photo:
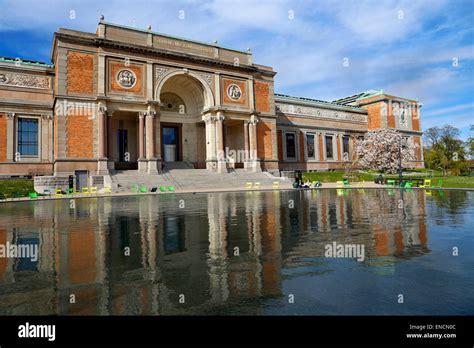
(379, 150)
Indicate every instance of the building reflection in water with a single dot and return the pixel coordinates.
(138, 255)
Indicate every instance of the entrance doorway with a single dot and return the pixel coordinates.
(122, 138)
(171, 142)
(124, 158)
(81, 179)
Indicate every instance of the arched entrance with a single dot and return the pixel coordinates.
(183, 97)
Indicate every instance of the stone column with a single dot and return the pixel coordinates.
(142, 167)
(101, 139)
(157, 139)
(253, 160)
(110, 137)
(221, 158)
(211, 160)
(246, 143)
(11, 156)
(150, 141)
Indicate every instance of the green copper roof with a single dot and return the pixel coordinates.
(355, 97)
(25, 62)
(172, 37)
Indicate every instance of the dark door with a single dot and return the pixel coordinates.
(81, 179)
(170, 144)
(122, 137)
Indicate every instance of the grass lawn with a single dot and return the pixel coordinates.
(448, 182)
(22, 186)
(335, 176)
(455, 181)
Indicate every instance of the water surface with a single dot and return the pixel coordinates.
(241, 253)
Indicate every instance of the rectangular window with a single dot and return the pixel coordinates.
(28, 136)
(345, 147)
(290, 145)
(329, 152)
(310, 145)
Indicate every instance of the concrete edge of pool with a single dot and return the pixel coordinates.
(329, 186)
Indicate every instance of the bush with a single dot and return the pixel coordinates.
(21, 186)
(460, 168)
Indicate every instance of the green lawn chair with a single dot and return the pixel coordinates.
(345, 182)
(33, 195)
(408, 184)
(143, 189)
(391, 182)
(171, 188)
(47, 192)
(135, 188)
(163, 189)
(70, 191)
(16, 194)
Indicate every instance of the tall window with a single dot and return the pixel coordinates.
(329, 149)
(290, 145)
(345, 146)
(28, 136)
(310, 145)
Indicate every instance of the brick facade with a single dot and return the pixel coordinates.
(264, 140)
(80, 73)
(374, 116)
(262, 96)
(80, 136)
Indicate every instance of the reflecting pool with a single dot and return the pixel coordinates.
(255, 253)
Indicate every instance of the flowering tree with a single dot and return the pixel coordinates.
(379, 150)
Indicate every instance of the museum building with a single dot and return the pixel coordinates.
(129, 99)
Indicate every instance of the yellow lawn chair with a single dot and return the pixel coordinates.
(426, 183)
(339, 184)
(276, 185)
(59, 192)
(108, 189)
(85, 190)
(256, 185)
(248, 185)
(93, 190)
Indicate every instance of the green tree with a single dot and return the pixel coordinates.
(470, 143)
(445, 150)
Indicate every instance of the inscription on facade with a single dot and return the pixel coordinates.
(24, 80)
(180, 45)
(315, 112)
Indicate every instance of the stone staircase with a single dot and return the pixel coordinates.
(194, 179)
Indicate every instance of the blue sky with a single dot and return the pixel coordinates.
(407, 48)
